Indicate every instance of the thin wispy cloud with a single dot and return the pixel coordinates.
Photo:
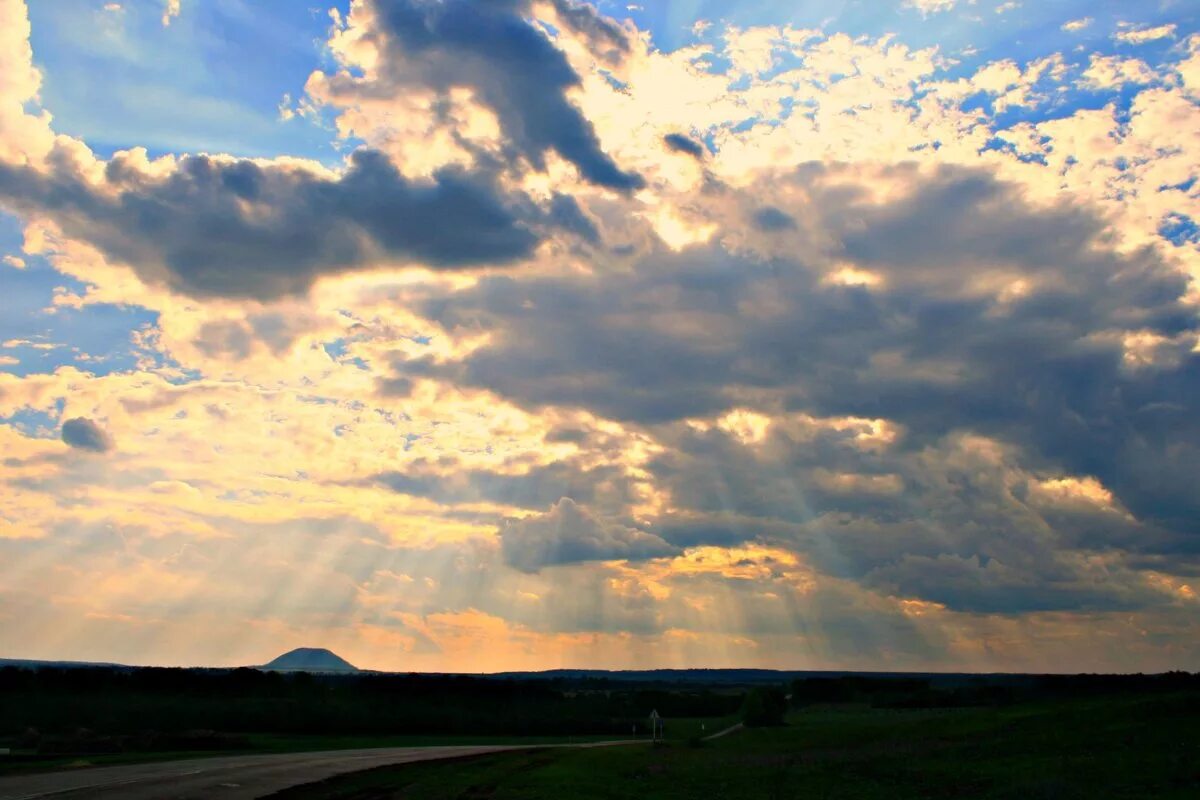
(927, 7)
(1135, 34)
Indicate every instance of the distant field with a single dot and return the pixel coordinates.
(1123, 747)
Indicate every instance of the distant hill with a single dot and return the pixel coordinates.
(310, 659)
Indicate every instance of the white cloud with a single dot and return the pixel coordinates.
(927, 7)
(1113, 72)
(1077, 25)
(171, 10)
(24, 137)
(1189, 68)
(1130, 34)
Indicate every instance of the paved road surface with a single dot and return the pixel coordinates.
(725, 732)
(223, 778)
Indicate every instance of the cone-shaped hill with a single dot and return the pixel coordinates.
(310, 659)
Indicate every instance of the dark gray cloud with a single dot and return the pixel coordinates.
(229, 338)
(215, 227)
(781, 478)
(568, 533)
(512, 66)
(236, 339)
(604, 487)
(605, 37)
(679, 143)
(84, 434)
(989, 316)
(925, 349)
(980, 584)
(952, 526)
(240, 229)
(772, 219)
(566, 214)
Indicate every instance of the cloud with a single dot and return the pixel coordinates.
(678, 143)
(171, 10)
(927, 7)
(984, 313)
(1130, 34)
(509, 64)
(540, 486)
(626, 345)
(568, 533)
(1076, 25)
(23, 136)
(237, 228)
(991, 586)
(1113, 72)
(772, 219)
(606, 39)
(959, 523)
(84, 434)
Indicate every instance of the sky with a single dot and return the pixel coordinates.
(526, 334)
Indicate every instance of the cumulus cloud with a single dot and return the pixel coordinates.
(237, 228)
(508, 63)
(622, 345)
(23, 135)
(1113, 72)
(84, 434)
(985, 314)
(959, 522)
(568, 533)
(1136, 34)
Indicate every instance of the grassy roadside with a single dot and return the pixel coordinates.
(1095, 748)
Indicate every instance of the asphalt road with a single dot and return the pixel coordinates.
(224, 777)
(725, 732)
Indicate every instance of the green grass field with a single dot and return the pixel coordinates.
(1128, 747)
